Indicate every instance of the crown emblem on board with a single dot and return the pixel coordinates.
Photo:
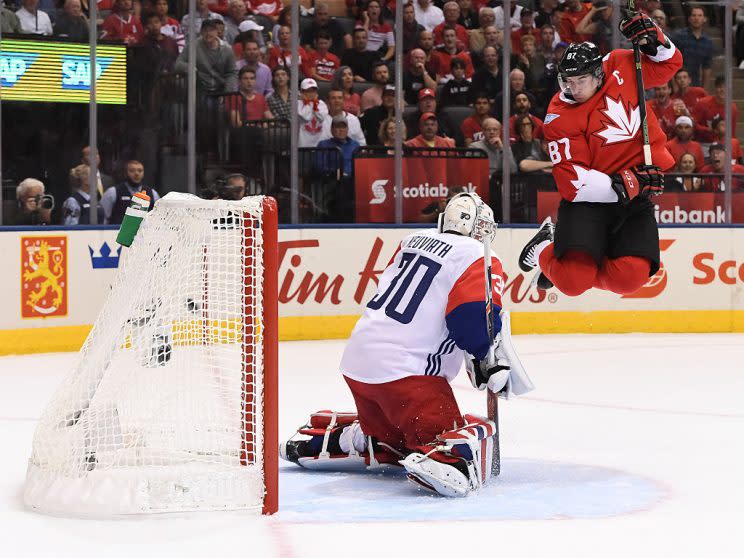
(106, 260)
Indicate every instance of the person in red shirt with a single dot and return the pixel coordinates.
(574, 12)
(683, 90)
(715, 183)
(682, 142)
(527, 18)
(666, 109)
(246, 104)
(122, 25)
(472, 126)
(521, 107)
(428, 137)
(451, 16)
(709, 108)
(321, 64)
(607, 236)
(441, 59)
(719, 129)
(281, 55)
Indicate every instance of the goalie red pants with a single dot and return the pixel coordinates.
(408, 413)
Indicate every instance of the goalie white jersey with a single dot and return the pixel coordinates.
(428, 309)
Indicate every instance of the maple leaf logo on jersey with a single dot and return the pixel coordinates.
(623, 125)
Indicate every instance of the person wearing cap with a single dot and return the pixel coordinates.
(416, 77)
(716, 167)
(372, 97)
(202, 14)
(321, 64)
(451, 17)
(682, 141)
(442, 58)
(250, 29)
(215, 62)
(666, 109)
(336, 108)
(429, 126)
(339, 128)
(371, 118)
(312, 111)
(719, 129)
(527, 27)
(252, 59)
(427, 103)
(457, 92)
(359, 58)
(708, 108)
(340, 39)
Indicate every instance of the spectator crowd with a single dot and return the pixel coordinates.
(451, 74)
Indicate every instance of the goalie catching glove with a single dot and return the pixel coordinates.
(643, 180)
(491, 372)
(641, 30)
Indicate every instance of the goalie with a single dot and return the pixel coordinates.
(428, 313)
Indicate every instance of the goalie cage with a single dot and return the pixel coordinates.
(172, 403)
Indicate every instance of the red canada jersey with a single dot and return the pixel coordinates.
(589, 141)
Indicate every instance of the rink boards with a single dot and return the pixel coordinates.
(55, 281)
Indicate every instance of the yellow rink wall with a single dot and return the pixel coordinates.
(327, 274)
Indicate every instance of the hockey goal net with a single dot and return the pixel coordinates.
(172, 403)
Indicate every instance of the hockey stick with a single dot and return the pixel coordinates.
(647, 160)
(492, 401)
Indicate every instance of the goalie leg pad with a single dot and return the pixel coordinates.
(459, 463)
(337, 443)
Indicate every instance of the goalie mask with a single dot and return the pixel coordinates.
(583, 62)
(466, 214)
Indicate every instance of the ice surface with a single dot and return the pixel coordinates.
(631, 445)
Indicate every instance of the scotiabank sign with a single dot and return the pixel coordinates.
(425, 180)
(686, 208)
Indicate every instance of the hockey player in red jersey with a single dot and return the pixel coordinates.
(606, 234)
(428, 313)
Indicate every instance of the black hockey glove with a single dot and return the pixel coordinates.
(643, 180)
(640, 29)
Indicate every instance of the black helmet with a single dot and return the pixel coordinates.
(578, 60)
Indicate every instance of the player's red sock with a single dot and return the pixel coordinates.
(623, 275)
(573, 274)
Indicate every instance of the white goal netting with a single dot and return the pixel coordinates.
(163, 410)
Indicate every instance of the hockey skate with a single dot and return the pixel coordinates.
(528, 258)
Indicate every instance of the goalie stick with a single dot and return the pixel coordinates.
(492, 401)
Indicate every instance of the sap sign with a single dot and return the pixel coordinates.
(76, 71)
(13, 66)
(54, 71)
